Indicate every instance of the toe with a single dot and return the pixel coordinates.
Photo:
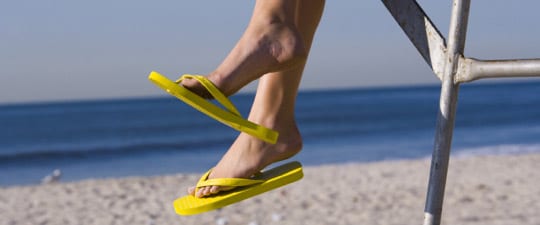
(203, 191)
(191, 190)
(207, 191)
(196, 87)
(200, 193)
(214, 189)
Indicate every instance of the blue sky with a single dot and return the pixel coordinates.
(70, 50)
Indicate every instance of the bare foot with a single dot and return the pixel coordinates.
(249, 155)
(262, 49)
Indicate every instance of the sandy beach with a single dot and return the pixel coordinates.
(480, 190)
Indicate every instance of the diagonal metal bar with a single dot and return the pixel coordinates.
(421, 31)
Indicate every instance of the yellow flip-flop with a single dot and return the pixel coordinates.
(245, 188)
(228, 116)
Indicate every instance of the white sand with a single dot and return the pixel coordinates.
(480, 190)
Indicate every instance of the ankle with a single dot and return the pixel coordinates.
(289, 134)
(289, 143)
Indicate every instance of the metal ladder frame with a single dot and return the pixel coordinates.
(452, 68)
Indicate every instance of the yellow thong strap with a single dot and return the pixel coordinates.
(214, 91)
(230, 182)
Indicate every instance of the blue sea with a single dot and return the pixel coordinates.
(155, 136)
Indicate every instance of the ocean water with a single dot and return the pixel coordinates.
(153, 136)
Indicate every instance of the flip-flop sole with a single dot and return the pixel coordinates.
(273, 178)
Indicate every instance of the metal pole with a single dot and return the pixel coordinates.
(446, 116)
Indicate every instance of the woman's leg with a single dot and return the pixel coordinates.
(270, 43)
(274, 108)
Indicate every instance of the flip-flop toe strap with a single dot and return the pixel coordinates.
(213, 90)
(230, 182)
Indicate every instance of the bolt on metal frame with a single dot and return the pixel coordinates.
(452, 68)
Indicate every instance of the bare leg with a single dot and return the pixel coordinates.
(274, 108)
(270, 43)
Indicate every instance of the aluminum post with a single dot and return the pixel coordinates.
(446, 116)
